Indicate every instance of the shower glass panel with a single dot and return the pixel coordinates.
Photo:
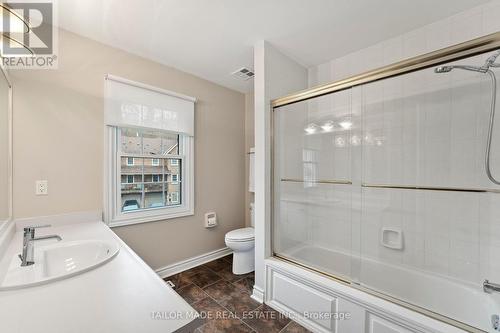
(312, 177)
(385, 185)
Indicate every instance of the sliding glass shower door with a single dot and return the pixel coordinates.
(312, 183)
(384, 185)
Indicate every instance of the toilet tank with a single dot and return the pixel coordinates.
(252, 214)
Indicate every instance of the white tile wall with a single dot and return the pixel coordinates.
(491, 13)
(467, 25)
(434, 132)
(319, 215)
(437, 239)
(489, 233)
(463, 26)
(328, 152)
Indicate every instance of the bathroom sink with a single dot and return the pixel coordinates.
(59, 261)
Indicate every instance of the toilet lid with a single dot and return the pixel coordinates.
(242, 234)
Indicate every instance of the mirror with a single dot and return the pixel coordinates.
(5, 149)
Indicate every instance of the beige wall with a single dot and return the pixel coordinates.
(249, 143)
(58, 136)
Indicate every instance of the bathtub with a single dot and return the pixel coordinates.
(426, 293)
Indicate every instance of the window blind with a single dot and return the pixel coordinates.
(133, 104)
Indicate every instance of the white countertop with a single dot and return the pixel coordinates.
(120, 296)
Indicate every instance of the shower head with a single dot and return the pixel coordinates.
(447, 69)
(443, 69)
(490, 62)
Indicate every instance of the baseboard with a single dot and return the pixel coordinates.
(258, 294)
(186, 264)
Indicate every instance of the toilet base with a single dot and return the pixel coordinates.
(243, 262)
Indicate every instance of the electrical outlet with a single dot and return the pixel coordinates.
(42, 187)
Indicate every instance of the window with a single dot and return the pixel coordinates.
(152, 186)
(175, 178)
(149, 165)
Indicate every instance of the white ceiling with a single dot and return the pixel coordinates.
(212, 38)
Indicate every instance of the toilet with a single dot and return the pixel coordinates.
(242, 242)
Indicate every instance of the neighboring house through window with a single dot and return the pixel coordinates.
(174, 197)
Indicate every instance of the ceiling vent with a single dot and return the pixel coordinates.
(244, 73)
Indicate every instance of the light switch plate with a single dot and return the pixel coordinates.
(42, 187)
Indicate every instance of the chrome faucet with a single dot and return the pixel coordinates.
(27, 258)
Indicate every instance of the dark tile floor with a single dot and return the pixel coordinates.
(224, 303)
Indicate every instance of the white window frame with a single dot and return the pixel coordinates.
(113, 214)
(133, 161)
(155, 162)
(174, 163)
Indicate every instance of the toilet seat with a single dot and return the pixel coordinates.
(241, 235)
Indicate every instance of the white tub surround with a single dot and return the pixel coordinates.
(309, 297)
(122, 295)
(414, 287)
